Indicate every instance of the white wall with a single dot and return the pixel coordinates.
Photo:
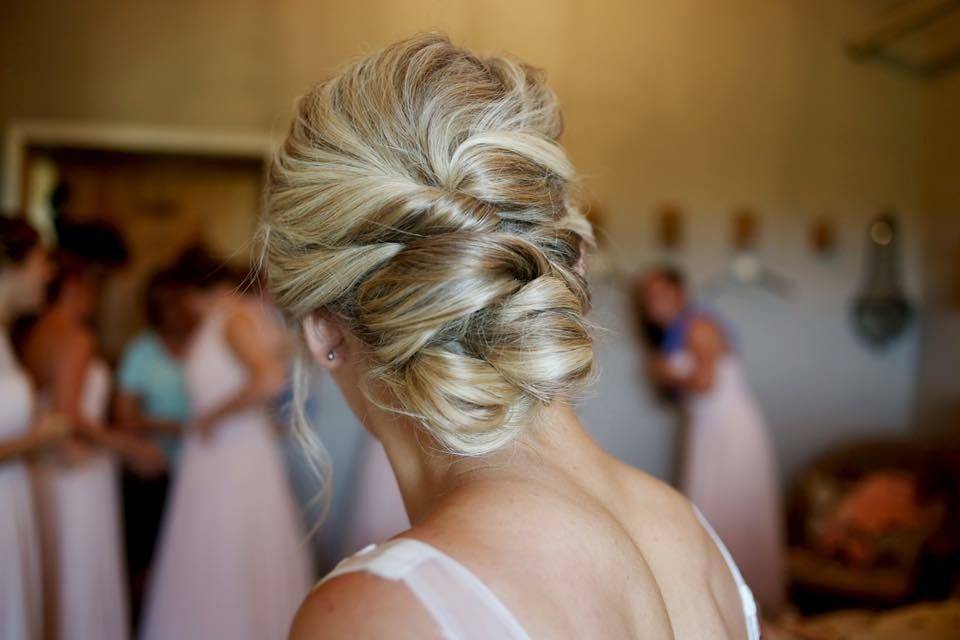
(711, 105)
(938, 410)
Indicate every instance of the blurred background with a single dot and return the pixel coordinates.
(798, 160)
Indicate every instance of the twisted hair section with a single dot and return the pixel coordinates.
(422, 197)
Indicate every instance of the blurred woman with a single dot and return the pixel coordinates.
(728, 466)
(152, 399)
(85, 591)
(24, 271)
(232, 561)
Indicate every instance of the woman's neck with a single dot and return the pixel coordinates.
(6, 303)
(63, 312)
(426, 475)
(5, 315)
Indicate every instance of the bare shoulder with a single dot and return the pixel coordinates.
(536, 546)
(658, 497)
(360, 605)
(58, 337)
(667, 525)
(678, 546)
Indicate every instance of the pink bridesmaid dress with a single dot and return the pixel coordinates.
(233, 558)
(83, 549)
(20, 578)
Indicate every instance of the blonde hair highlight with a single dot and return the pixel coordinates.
(421, 196)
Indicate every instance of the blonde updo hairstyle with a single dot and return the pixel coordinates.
(421, 197)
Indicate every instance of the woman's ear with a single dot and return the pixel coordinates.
(325, 340)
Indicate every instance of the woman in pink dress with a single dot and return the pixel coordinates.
(84, 580)
(728, 465)
(233, 560)
(24, 270)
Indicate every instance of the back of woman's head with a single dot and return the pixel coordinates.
(86, 251)
(17, 240)
(421, 197)
(199, 269)
(161, 295)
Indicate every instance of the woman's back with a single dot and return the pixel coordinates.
(608, 552)
(21, 601)
(62, 357)
(77, 497)
(232, 559)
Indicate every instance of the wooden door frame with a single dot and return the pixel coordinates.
(131, 138)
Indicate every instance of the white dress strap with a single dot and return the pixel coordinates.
(746, 596)
(392, 560)
(461, 605)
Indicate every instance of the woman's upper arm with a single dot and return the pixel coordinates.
(706, 345)
(360, 605)
(248, 345)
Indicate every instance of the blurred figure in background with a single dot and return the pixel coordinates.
(233, 560)
(85, 592)
(24, 272)
(377, 512)
(152, 399)
(728, 466)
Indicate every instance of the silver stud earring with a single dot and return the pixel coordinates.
(331, 355)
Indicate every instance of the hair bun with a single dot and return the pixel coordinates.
(421, 194)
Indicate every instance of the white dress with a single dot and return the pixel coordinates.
(464, 608)
(20, 578)
(729, 471)
(233, 559)
(83, 553)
